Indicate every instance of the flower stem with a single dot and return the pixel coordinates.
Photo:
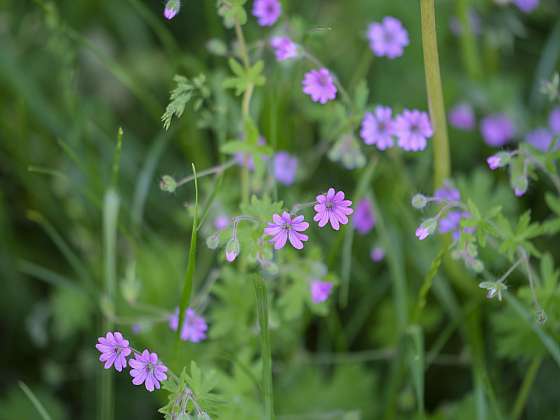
(442, 161)
(262, 314)
(526, 386)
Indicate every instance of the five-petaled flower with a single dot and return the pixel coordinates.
(332, 208)
(194, 326)
(378, 128)
(387, 38)
(284, 228)
(413, 128)
(114, 350)
(320, 291)
(319, 84)
(147, 370)
(267, 12)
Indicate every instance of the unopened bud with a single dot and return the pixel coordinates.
(168, 184)
(419, 201)
(232, 249)
(172, 7)
(213, 241)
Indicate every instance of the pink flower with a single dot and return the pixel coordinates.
(320, 291)
(378, 128)
(413, 128)
(494, 162)
(377, 254)
(364, 219)
(319, 84)
(148, 370)
(422, 233)
(332, 207)
(283, 47)
(114, 350)
(267, 12)
(388, 38)
(284, 227)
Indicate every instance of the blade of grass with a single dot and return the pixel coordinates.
(426, 286)
(266, 354)
(35, 401)
(525, 389)
(417, 366)
(191, 264)
(117, 159)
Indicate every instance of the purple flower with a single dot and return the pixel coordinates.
(413, 128)
(172, 7)
(456, 26)
(267, 12)
(540, 139)
(284, 227)
(461, 116)
(147, 370)
(137, 328)
(377, 254)
(422, 232)
(194, 326)
(448, 192)
(388, 38)
(497, 130)
(554, 120)
(451, 222)
(332, 207)
(526, 6)
(246, 160)
(320, 291)
(285, 168)
(221, 222)
(319, 84)
(364, 220)
(494, 162)
(114, 350)
(378, 128)
(284, 48)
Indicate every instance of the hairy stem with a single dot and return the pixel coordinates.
(442, 163)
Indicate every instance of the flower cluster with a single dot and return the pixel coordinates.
(410, 129)
(146, 368)
(329, 208)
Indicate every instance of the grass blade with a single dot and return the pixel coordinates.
(191, 265)
(35, 401)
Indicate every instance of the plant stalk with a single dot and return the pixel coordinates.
(442, 162)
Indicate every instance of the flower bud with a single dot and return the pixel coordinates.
(172, 7)
(168, 184)
(427, 227)
(213, 241)
(232, 249)
(419, 201)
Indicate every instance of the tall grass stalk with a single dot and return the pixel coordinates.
(442, 161)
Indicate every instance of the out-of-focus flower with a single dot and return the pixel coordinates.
(147, 370)
(448, 192)
(526, 6)
(194, 326)
(541, 139)
(114, 350)
(413, 128)
(427, 227)
(332, 207)
(221, 222)
(378, 128)
(319, 84)
(246, 160)
(320, 291)
(267, 12)
(554, 120)
(451, 222)
(497, 129)
(377, 254)
(284, 48)
(494, 288)
(171, 9)
(285, 168)
(461, 116)
(456, 26)
(499, 160)
(364, 219)
(233, 247)
(284, 228)
(387, 38)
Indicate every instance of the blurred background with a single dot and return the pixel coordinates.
(73, 72)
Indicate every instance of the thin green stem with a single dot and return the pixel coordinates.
(210, 171)
(442, 162)
(35, 401)
(468, 40)
(191, 265)
(526, 386)
(262, 314)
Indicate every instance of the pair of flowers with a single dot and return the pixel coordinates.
(146, 368)
(411, 128)
(329, 208)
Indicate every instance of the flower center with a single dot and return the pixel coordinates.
(287, 226)
(329, 205)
